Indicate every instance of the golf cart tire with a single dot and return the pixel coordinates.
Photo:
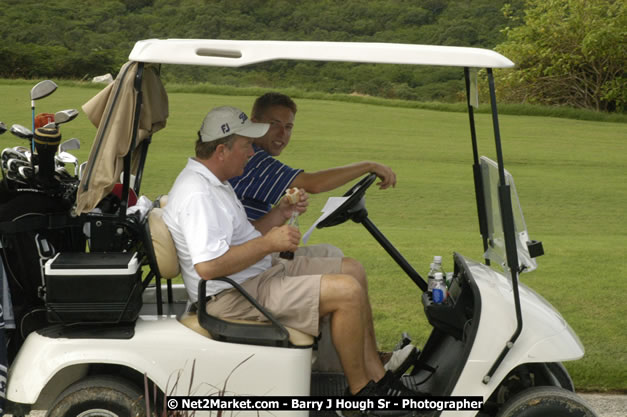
(561, 375)
(546, 401)
(99, 395)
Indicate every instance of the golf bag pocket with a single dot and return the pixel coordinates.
(93, 287)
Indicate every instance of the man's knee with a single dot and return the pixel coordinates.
(340, 288)
(355, 269)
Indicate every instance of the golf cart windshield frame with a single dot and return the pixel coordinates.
(234, 53)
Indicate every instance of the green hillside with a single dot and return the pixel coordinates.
(63, 39)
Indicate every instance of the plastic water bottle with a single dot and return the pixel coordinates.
(293, 221)
(436, 266)
(449, 279)
(439, 289)
(438, 260)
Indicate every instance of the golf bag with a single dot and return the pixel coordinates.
(34, 226)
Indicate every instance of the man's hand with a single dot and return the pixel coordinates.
(284, 238)
(286, 208)
(385, 173)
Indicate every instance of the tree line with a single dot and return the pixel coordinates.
(79, 40)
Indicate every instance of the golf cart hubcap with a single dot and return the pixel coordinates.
(97, 412)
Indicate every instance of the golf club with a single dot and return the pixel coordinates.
(10, 154)
(25, 172)
(64, 157)
(3, 128)
(22, 132)
(40, 90)
(63, 174)
(69, 145)
(61, 117)
(23, 150)
(65, 116)
(81, 170)
(14, 164)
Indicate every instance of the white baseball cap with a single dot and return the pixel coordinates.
(226, 120)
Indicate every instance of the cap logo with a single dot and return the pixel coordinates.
(225, 128)
(243, 117)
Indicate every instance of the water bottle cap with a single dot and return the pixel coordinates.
(437, 259)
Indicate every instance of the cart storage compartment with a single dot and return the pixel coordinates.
(95, 287)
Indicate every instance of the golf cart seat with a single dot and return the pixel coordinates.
(296, 337)
(161, 251)
(164, 262)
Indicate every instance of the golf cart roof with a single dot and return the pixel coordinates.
(234, 53)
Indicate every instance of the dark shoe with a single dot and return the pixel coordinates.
(394, 387)
(388, 386)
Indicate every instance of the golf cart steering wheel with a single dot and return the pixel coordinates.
(352, 206)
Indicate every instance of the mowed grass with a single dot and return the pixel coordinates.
(571, 177)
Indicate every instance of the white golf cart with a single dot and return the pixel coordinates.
(114, 339)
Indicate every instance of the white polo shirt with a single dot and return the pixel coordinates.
(205, 219)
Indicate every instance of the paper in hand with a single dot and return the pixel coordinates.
(330, 206)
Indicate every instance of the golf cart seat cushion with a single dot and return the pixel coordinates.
(165, 251)
(297, 338)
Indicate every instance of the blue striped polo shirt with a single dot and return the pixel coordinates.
(263, 183)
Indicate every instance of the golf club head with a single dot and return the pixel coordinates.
(14, 164)
(69, 145)
(81, 170)
(67, 158)
(3, 128)
(24, 152)
(63, 174)
(14, 176)
(65, 116)
(26, 172)
(9, 153)
(42, 89)
(21, 132)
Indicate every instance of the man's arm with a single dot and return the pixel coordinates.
(280, 213)
(240, 257)
(332, 178)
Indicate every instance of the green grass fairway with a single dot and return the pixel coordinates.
(571, 177)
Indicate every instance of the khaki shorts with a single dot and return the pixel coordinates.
(289, 290)
(322, 250)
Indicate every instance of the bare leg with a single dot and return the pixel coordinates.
(373, 362)
(344, 298)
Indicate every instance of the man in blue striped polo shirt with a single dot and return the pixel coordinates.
(265, 178)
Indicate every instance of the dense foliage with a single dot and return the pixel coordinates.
(70, 39)
(569, 52)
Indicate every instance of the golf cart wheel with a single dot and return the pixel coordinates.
(99, 396)
(546, 401)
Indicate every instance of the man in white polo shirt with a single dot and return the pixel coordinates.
(214, 238)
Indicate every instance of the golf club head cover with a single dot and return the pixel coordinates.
(46, 143)
(43, 119)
